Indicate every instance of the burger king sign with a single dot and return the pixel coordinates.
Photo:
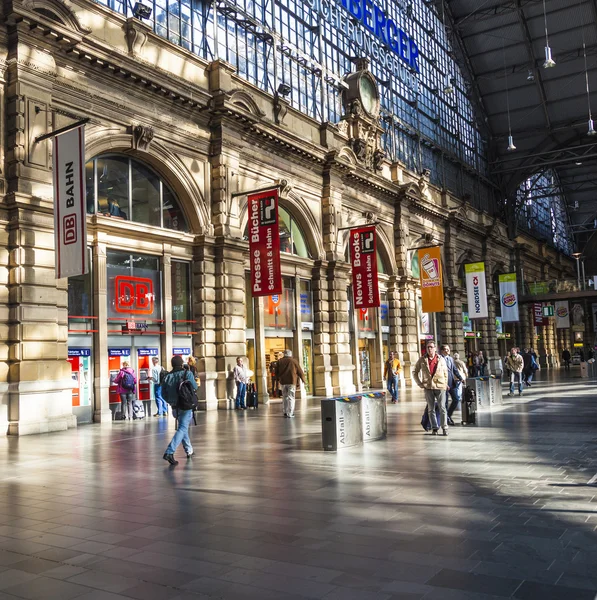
(509, 297)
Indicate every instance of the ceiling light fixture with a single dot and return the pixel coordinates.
(511, 146)
(549, 61)
(591, 130)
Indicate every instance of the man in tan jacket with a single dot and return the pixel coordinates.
(431, 374)
(288, 373)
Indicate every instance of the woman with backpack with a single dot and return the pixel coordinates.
(126, 387)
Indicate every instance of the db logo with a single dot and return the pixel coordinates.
(134, 295)
(69, 230)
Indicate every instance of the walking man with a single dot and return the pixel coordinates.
(156, 373)
(431, 375)
(566, 356)
(515, 365)
(172, 393)
(289, 372)
(391, 373)
(240, 378)
(454, 381)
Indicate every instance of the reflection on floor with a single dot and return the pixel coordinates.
(503, 510)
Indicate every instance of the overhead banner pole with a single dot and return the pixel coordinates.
(70, 215)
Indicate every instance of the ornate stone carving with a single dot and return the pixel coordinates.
(136, 34)
(280, 109)
(364, 136)
(142, 137)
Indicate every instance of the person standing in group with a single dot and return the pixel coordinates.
(240, 378)
(460, 366)
(391, 373)
(455, 380)
(171, 388)
(156, 378)
(289, 373)
(482, 364)
(431, 374)
(126, 382)
(566, 358)
(515, 365)
(529, 367)
(273, 371)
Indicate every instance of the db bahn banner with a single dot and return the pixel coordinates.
(562, 312)
(476, 290)
(432, 287)
(363, 257)
(70, 223)
(264, 244)
(509, 298)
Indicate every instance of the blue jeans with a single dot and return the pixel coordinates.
(515, 377)
(159, 400)
(241, 390)
(182, 433)
(393, 385)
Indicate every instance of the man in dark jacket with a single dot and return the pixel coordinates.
(170, 393)
(289, 372)
(454, 381)
(566, 357)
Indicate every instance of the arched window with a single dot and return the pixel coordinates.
(125, 188)
(381, 267)
(292, 239)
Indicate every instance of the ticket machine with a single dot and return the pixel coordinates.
(145, 385)
(116, 356)
(80, 361)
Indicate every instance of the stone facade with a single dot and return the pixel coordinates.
(212, 137)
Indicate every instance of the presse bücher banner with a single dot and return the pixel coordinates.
(509, 298)
(264, 243)
(363, 258)
(432, 286)
(70, 213)
(476, 290)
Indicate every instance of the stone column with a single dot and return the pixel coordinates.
(340, 354)
(167, 342)
(321, 334)
(549, 342)
(297, 338)
(491, 343)
(409, 348)
(101, 372)
(204, 310)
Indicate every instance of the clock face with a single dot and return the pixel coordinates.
(368, 93)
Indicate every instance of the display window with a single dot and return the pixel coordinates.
(306, 305)
(279, 310)
(182, 314)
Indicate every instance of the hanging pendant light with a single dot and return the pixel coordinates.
(591, 130)
(511, 147)
(549, 61)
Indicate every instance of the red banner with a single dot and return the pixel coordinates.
(363, 257)
(538, 314)
(264, 244)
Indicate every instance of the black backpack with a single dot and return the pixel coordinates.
(127, 381)
(187, 398)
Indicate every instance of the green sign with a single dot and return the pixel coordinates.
(548, 310)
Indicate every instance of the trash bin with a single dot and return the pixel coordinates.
(374, 416)
(584, 369)
(341, 422)
(481, 387)
(495, 391)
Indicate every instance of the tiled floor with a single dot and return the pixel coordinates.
(504, 510)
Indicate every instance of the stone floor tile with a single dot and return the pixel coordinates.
(477, 583)
(530, 590)
(45, 588)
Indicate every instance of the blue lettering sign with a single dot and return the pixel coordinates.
(79, 351)
(181, 351)
(119, 351)
(147, 351)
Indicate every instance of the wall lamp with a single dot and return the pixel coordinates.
(140, 11)
(284, 90)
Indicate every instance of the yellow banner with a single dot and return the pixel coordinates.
(432, 287)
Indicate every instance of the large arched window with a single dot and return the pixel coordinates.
(292, 239)
(125, 188)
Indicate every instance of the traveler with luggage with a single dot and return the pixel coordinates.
(566, 358)
(126, 383)
(515, 365)
(455, 381)
(289, 373)
(179, 390)
(431, 374)
(156, 377)
(241, 378)
(391, 374)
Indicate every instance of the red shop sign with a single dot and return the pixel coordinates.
(363, 257)
(133, 295)
(538, 314)
(264, 244)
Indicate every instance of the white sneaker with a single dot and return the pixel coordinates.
(291, 416)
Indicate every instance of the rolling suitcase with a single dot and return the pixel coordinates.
(469, 406)
(252, 401)
(138, 409)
